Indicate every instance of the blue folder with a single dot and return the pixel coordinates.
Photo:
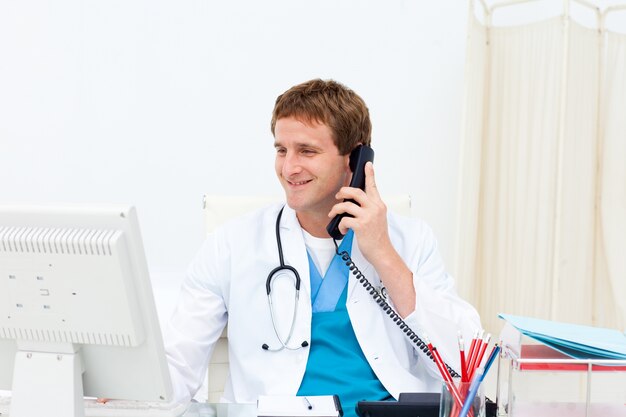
(577, 341)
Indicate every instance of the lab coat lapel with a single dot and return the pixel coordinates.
(363, 266)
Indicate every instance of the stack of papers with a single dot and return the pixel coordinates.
(580, 342)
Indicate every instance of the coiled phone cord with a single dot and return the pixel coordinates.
(388, 309)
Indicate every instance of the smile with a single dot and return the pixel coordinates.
(296, 183)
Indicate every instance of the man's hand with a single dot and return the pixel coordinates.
(369, 223)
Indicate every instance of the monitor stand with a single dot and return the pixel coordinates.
(47, 383)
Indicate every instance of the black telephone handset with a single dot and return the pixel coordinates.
(358, 158)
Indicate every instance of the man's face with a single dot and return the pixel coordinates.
(308, 165)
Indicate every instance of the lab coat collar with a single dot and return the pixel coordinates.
(289, 221)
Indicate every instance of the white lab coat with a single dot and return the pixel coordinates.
(226, 282)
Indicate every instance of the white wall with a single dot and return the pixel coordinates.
(155, 102)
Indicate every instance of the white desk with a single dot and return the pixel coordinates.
(194, 410)
(220, 410)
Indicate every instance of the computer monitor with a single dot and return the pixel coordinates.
(77, 314)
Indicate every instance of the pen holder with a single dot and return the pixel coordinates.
(453, 398)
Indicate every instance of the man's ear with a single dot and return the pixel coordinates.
(346, 162)
(347, 170)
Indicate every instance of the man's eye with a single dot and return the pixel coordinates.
(280, 151)
(308, 151)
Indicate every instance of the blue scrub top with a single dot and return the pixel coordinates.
(336, 362)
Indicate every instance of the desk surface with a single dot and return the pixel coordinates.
(220, 410)
(194, 410)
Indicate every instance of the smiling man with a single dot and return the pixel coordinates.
(333, 338)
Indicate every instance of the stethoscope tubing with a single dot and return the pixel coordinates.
(268, 288)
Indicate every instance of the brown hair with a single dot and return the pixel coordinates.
(330, 103)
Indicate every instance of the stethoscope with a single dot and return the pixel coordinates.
(284, 343)
(379, 295)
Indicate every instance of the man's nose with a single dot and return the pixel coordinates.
(292, 164)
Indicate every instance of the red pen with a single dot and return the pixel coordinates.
(470, 352)
(481, 354)
(462, 353)
(473, 352)
(444, 373)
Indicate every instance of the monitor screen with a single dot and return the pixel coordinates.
(77, 313)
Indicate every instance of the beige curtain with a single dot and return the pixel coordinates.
(610, 271)
(542, 217)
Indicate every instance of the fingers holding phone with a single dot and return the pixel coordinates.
(359, 157)
(366, 214)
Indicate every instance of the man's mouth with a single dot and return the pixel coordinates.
(297, 183)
